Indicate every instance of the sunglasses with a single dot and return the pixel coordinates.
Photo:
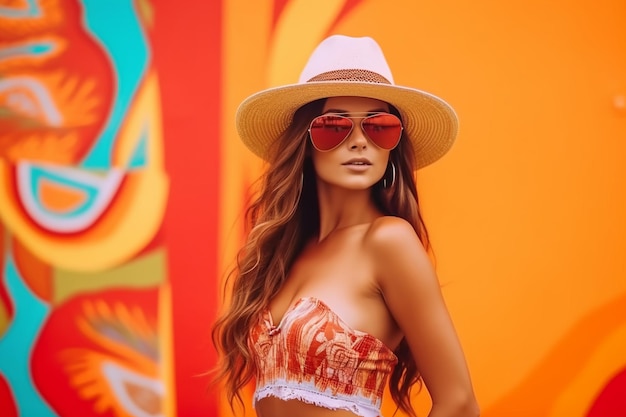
(330, 130)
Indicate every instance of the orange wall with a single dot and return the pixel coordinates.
(527, 212)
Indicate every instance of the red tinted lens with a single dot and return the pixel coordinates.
(383, 129)
(328, 131)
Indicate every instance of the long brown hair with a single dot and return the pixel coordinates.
(282, 218)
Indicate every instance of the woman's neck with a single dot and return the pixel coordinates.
(340, 208)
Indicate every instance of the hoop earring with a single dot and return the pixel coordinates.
(387, 185)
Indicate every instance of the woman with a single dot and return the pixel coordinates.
(334, 293)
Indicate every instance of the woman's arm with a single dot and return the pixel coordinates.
(413, 296)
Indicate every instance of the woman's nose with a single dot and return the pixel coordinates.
(357, 138)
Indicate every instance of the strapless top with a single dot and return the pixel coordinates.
(314, 357)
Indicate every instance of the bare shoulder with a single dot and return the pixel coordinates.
(390, 235)
(388, 230)
(396, 250)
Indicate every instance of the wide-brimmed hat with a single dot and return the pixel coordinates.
(347, 66)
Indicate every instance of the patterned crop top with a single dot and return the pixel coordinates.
(314, 357)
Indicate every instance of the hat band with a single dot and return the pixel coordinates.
(351, 75)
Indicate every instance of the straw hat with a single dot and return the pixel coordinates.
(347, 66)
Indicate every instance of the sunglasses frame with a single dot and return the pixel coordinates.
(351, 116)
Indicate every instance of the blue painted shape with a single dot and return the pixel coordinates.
(140, 154)
(115, 24)
(34, 48)
(17, 343)
(32, 10)
(39, 174)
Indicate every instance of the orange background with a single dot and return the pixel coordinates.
(527, 212)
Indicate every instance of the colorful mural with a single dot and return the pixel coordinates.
(122, 184)
(83, 193)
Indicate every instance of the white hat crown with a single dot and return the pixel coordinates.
(343, 53)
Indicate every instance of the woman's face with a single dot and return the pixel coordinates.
(356, 163)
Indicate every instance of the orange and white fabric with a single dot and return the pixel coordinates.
(314, 357)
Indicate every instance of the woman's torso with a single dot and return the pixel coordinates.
(340, 274)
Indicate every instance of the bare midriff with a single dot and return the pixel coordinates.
(275, 407)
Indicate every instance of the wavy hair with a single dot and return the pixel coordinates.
(281, 219)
